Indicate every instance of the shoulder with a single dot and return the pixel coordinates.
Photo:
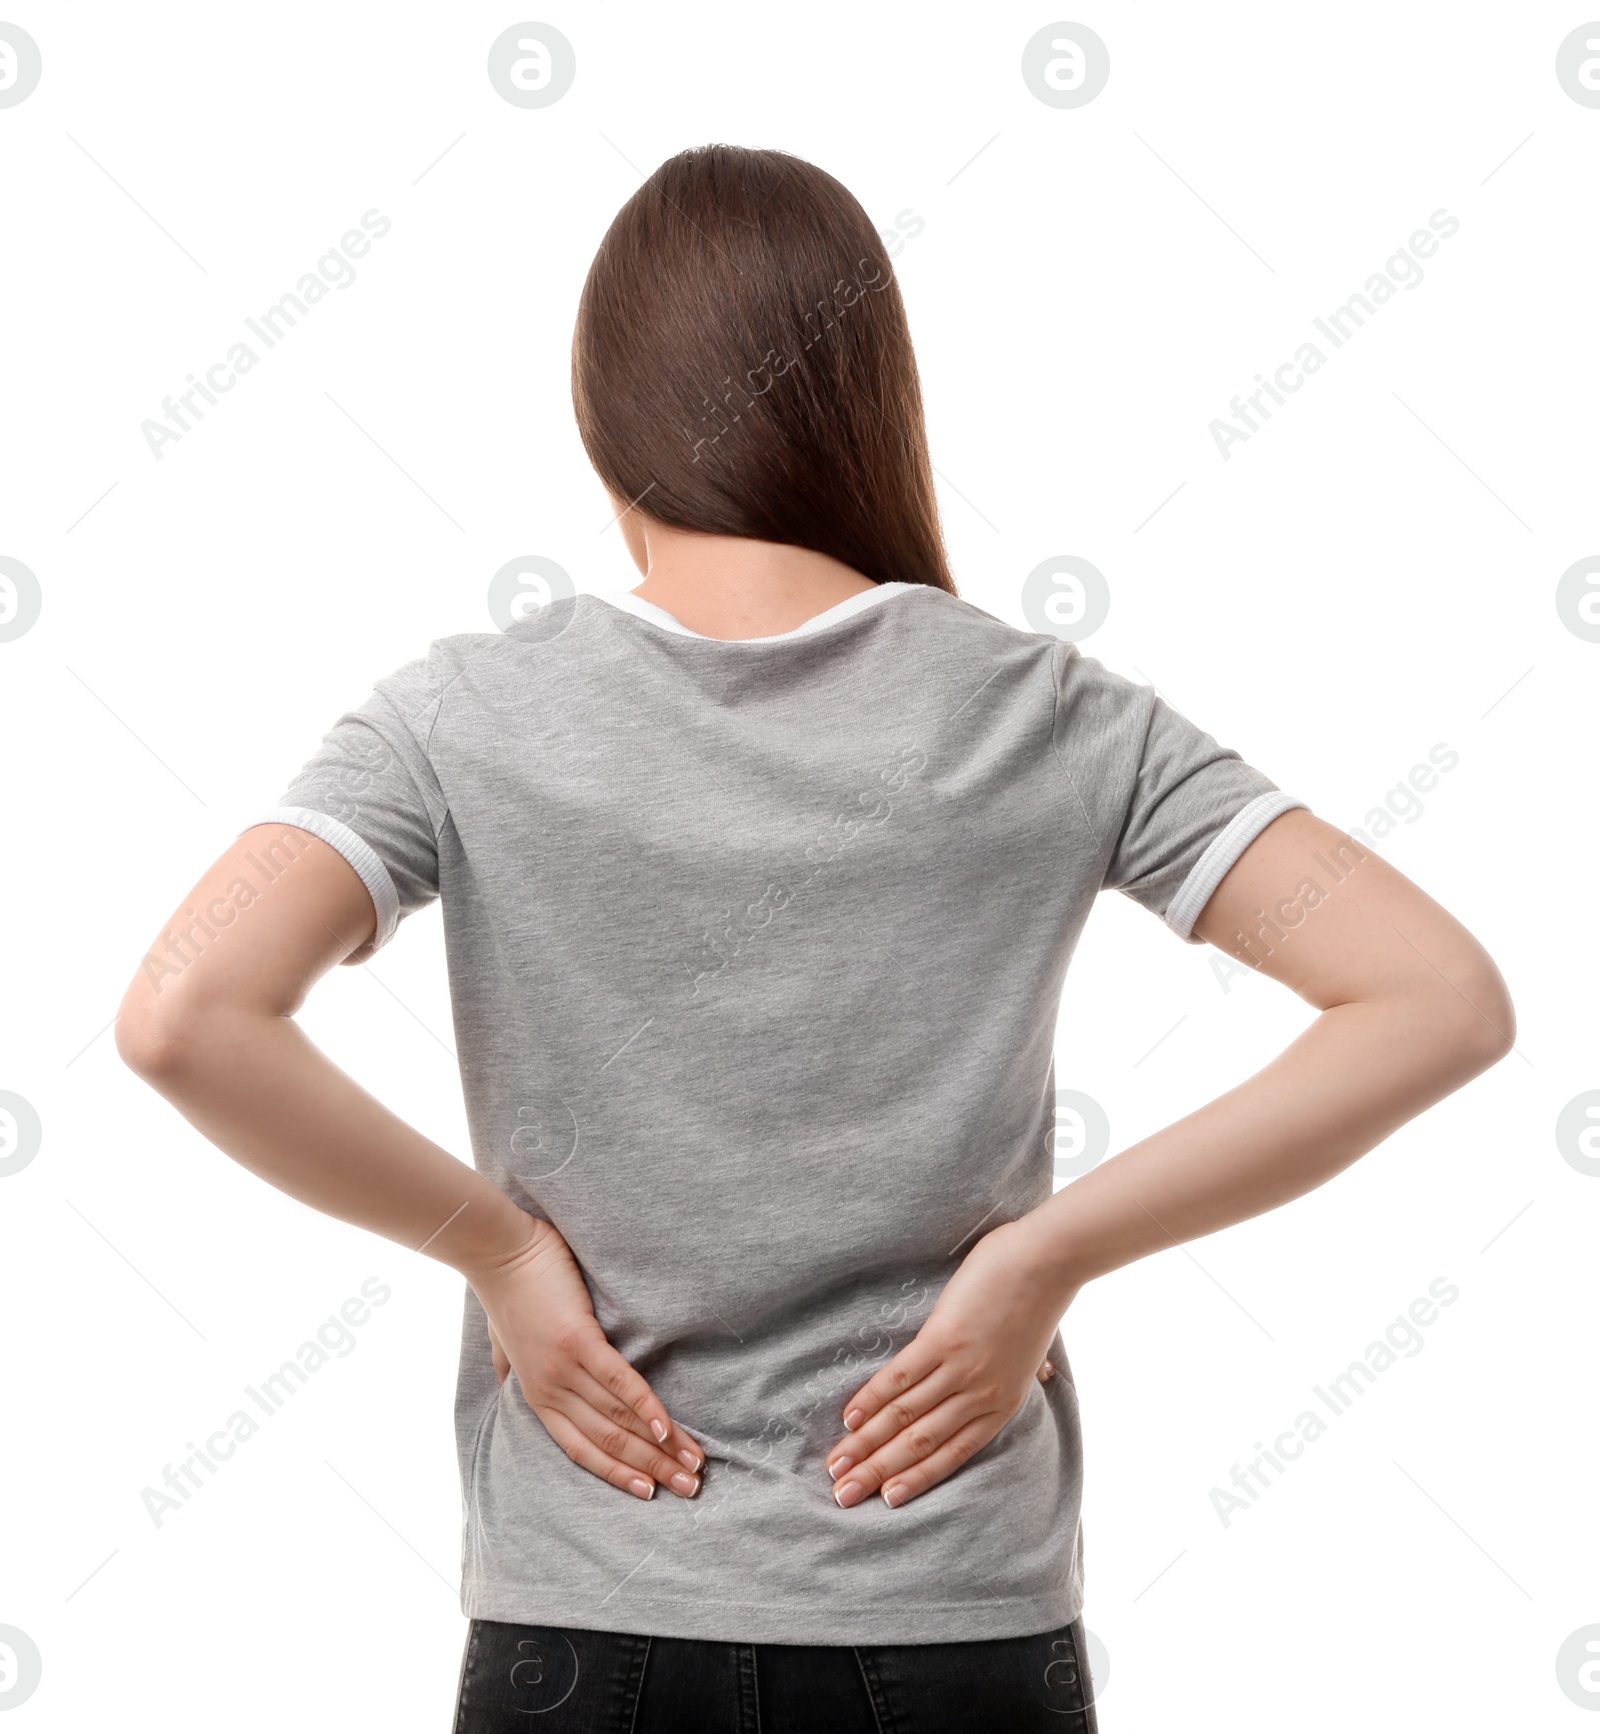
(951, 626)
(1084, 685)
(1091, 690)
(460, 664)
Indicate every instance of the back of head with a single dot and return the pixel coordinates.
(742, 366)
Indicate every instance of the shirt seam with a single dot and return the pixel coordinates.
(788, 1607)
(1057, 652)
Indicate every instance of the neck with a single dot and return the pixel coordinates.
(733, 587)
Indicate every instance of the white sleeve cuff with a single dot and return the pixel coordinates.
(360, 854)
(1221, 853)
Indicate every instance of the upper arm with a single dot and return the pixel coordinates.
(1210, 844)
(1312, 908)
(1168, 806)
(348, 850)
(273, 913)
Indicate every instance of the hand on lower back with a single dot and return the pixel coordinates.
(592, 1403)
(959, 1380)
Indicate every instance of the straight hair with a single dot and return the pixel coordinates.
(742, 366)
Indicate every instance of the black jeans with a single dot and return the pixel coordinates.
(563, 1680)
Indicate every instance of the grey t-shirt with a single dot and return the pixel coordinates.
(756, 950)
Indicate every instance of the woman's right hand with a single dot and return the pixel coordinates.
(592, 1403)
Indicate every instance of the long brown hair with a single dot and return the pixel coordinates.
(742, 366)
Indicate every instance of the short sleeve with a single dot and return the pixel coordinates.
(370, 792)
(1170, 808)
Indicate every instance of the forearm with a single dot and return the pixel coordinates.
(1359, 1072)
(262, 1092)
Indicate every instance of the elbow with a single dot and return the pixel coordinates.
(152, 1039)
(146, 1045)
(1483, 1020)
(186, 1037)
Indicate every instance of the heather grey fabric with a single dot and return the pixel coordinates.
(756, 950)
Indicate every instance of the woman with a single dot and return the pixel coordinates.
(759, 886)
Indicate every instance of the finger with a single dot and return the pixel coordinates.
(602, 1362)
(940, 1465)
(619, 1445)
(917, 1442)
(894, 1417)
(685, 1448)
(913, 1364)
(627, 1447)
(1047, 1369)
(587, 1455)
(678, 1444)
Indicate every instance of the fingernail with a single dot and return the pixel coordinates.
(644, 1489)
(852, 1421)
(848, 1494)
(893, 1496)
(660, 1430)
(1049, 1368)
(838, 1466)
(690, 1461)
(685, 1484)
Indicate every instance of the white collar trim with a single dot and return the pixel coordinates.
(636, 605)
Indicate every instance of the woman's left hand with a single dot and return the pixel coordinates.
(959, 1380)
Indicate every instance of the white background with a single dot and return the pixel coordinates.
(1090, 289)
